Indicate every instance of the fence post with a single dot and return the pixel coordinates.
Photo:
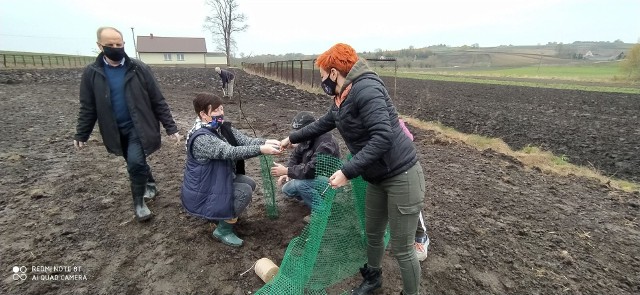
(15, 64)
(313, 71)
(33, 58)
(49, 58)
(4, 60)
(41, 61)
(24, 61)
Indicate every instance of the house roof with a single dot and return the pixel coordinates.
(171, 44)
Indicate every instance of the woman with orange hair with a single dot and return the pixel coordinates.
(382, 154)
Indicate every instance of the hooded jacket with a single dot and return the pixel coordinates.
(303, 160)
(145, 102)
(368, 122)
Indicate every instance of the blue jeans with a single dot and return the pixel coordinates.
(305, 189)
(133, 153)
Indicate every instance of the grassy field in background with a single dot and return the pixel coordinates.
(39, 53)
(603, 72)
(587, 77)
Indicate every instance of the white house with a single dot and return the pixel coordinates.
(177, 51)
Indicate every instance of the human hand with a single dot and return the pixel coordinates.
(273, 142)
(282, 179)
(278, 170)
(177, 137)
(268, 149)
(284, 144)
(337, 179)
(79, 144)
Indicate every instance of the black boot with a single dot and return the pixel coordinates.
(372, 280)
(151, 191)
(139, 207)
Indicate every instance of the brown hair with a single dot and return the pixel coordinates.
(205, 102)
(341, 56)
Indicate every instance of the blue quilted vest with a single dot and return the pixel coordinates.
(207, 189)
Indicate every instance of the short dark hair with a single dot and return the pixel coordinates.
(205, 102)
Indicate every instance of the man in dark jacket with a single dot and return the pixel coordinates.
(122, 95)
(299, 174)
(228, 79)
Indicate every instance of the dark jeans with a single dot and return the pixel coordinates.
(243, 192)
(139, 170)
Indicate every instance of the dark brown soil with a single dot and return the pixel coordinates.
(496, 227)
(593, 129)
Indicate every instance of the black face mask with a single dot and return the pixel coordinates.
(329, 86)
(113, 53)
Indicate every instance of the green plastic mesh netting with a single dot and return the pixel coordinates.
(268, 186)
(332, 246)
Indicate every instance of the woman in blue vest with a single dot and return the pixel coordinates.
(214, 185)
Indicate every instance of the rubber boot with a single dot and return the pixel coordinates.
(224, 233)
(151, 191)
(139, 207)
(372, 280)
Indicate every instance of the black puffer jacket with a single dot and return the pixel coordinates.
(146, 104)
(368, 122)
(303, 160)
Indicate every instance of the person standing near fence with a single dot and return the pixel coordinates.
(383, 155)
(123, 96)
(228, 79)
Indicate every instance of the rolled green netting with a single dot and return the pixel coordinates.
(268, 186)
(332, 246)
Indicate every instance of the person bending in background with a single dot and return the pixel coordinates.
(214, 185)
(228, 79)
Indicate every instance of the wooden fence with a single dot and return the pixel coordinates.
(43, 61)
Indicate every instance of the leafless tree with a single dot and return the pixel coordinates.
(224, 20)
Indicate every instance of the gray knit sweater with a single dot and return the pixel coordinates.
(207, 146)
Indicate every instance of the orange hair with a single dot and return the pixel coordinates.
(341, 56)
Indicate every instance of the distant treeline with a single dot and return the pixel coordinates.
(575, 50)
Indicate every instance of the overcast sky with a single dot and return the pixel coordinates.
(312, 26)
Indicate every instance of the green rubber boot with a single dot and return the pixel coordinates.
(224, 233)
